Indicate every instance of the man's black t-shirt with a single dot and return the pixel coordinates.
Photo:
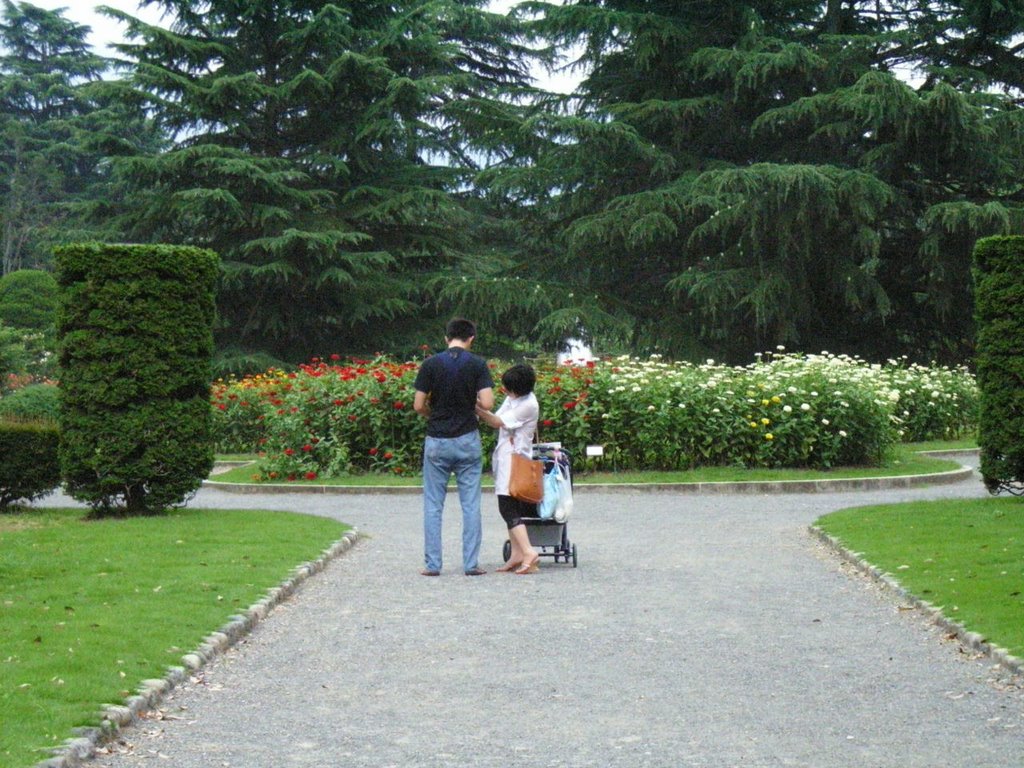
(451, 379)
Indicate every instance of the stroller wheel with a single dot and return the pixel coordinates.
(573, 556)
(506, 551)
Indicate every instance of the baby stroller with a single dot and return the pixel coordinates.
(549, 536)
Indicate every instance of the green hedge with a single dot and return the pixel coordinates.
(999, 316)
(135, 325)
(30, 467)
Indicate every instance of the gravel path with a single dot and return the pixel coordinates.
(698, 630)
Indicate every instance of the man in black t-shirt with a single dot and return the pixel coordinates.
(448, 387)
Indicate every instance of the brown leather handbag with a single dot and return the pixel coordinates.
(526, 479)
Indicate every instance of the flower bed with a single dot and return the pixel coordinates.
(784, 410)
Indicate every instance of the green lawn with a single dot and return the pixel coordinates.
(90, 608)
(966, 556)
(906, 460)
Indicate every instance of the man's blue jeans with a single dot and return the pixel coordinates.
(442, 458)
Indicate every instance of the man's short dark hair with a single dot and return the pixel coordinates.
(519, 379)
(460, 328)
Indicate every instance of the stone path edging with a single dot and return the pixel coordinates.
(829, 485)
(972, 640)
(113, 717)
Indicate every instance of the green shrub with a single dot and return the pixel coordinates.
(135, 324)
(34, 402)
(30, 467)
(28, 299)
(999, 316)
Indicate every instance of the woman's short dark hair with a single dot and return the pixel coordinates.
(519, 379)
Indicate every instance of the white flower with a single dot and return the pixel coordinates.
(805, 407)
(825, 422)
(650, 407)
(787, 409)
(842, 433)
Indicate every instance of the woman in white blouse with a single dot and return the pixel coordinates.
(516, 421)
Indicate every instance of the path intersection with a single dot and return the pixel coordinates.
(702, 631)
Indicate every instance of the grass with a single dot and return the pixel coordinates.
(966, 556)
(906, 460)
(967, 444)
(90, 608)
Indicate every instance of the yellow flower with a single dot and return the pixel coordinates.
(769, 436)
(776, 399)
(753, 425)
(766, 422)
(765, 402)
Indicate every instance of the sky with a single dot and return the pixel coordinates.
(105, 30)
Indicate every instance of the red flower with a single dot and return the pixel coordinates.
(335, 356)
(222, 406)
(311, 475)
(548, 422)
(339, 402)
(289, 452)
(307, 447)
(399, 405)
(570, 405)
(389, 455)
(373, 451)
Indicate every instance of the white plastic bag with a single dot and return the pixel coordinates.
(563, 502)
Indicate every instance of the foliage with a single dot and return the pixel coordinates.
(57, 127)
(735, 175)
(28, 304)
(999, 309)
(133, 596)
(28, 300)
(326, 418)
(136, 340)
(32, 402)
(30, 468)
(14, 356)
(784, 410)
(325, 152)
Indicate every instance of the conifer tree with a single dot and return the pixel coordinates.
(44, 62)
(738, 175)
(58, 123)
(324, 151)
